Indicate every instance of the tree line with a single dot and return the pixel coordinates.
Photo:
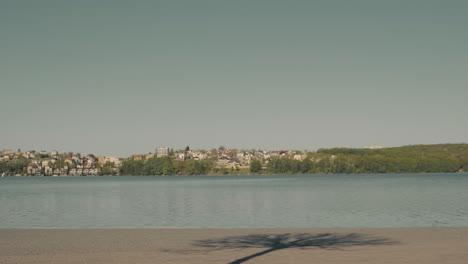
(407, 159)
(166, 166)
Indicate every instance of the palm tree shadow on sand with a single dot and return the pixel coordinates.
(274, 242)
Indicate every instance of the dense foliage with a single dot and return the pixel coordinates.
(165, 166)
(255, 166)
(407, 159)
(108, 168)
(14, 167)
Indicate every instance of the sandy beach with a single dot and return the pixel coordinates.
(186, 245)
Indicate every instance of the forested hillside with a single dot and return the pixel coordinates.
(416, 158)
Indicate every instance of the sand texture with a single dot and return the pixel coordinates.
(180, 245)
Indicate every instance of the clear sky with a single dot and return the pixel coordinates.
(123, 77)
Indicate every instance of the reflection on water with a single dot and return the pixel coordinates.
(235, 201)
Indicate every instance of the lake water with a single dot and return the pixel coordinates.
(380, 200)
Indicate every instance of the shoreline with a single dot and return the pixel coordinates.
(227, 228)
(222, 175)
(247, 174)
(235, 245)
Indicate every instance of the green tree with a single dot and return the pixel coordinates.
(132, 167)
(255, 166)
(108, 168)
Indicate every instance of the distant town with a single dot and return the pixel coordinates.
(166, 161)
(53, 163)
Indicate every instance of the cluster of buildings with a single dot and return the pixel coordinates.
(223, 158)
(159, 152)
(42, 163)
(234, 158)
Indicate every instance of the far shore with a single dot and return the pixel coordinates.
(251, 174)
(236, 245)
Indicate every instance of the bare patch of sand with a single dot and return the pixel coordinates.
(279, 245)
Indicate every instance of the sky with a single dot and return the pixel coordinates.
(124, 77)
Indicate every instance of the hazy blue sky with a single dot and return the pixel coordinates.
(123, 77)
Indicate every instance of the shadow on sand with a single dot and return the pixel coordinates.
(274, 242)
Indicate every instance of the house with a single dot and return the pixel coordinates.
(48, 171)
(298, 157)
(180, 156)
(137, 157)
(69, 161)
(115, 160)
(45, 163)
(101, 159)
(33, 169)
(162, 152)
(198, 155)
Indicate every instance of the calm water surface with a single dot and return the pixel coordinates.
(384, 200)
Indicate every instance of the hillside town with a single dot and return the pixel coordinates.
(53, 163)
(438, 158)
